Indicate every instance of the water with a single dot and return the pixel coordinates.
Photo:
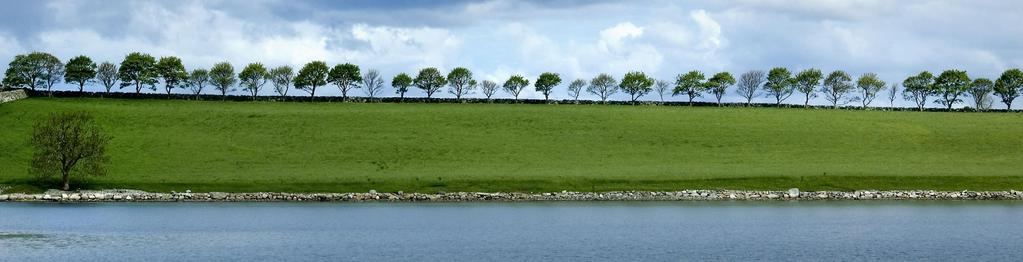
(564, 231)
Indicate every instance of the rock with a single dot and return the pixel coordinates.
(793, 192)
(3, 197)
(188, 191)
(218, 195)
(372, 191)
(772, 196)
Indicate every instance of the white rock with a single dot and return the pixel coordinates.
(793, 192)
(372, 191)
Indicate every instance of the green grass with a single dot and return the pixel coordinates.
(164, 145)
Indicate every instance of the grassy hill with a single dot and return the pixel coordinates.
(164, 145)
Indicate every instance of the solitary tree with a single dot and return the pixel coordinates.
(1009, 85)
(690, 84)
(893, 93)
(281, 77)
(780, 84)
(222, 77)
(138, 70)
(949, 85)
(749, 83)
(53, 71)
(603, 86)
(575, 88)
(346, 77)
(489, 88)
(253, 77)
(312, 76)
(980, 90)
(836, 86)
(429, 80)
(718, 84)
(869, 84)
(172, 71)
(197, 80)
(106, 74)
(546, 83)
(917, 88)
(662, 87)
(68, 144)
(461, 82)
(401, 82)
(636, 84)
(372, 83)
(515, 84)
(807, 82)
(80, 70)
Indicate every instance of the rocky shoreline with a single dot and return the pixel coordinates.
(373, 196)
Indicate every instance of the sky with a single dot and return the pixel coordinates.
(499, 38)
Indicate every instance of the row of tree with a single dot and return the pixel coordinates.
(139, 71)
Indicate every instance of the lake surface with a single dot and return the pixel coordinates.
(563, 231)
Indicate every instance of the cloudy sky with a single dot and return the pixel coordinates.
(498, 38)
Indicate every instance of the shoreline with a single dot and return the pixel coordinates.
(684, 195)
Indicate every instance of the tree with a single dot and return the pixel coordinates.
(662, 87)
(575, 88)
(690, 84)
(807, 81)
(80, 70)
(749, 83)
(68, 144)
(719, 83)
(346, 77)
(836, 86)
(401, 82)
(780, 84)
(253, 77)
(23, 72)
(137, 70)
(222, 77)
(869, 84)
(489, 88)
(515, 84)
(429, 80)
(949, 85)
(312, 76)
(603, 86)
(172, 71)
(281, 77)
(917, 88)
(197, 80)
(546, 83)
(1009, 85)
(373, 83)
(461, 82)
(53, 71)
(893, 92)
(636, 84)
(106, 74)
(980, 90)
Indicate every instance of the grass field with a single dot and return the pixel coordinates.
(164, 145)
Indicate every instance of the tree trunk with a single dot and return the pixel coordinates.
(65, 181)
(81, 87)
(807, 103)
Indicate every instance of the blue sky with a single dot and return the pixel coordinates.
(498, 38)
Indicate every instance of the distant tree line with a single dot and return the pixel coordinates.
(138, 71)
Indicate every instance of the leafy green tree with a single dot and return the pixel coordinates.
(575, 88)
(138, 70)
(253, 77)
(346, 77)
(461, 82)
(401, 82)
(281, 77)
(662, 87)
(980, 90)
(172, 71)
(603, 86)
(949, 85)
(546, 83)
(22, 72)
(80, 70)
(636, 84)
(68, 144)
(106, 74)
(780, 84)
(52, 71)
(222, 77)
(917, 88)
(869, 84)
(429, 80)
(690, 84)
(373, 83)
(836, 86)
(515, 84)
(489, 88)
(197, 80)
(1009, 85)
(749, 83)
(719, 83)
(312, 76)
(807, 81)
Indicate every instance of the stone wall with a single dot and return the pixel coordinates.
(8, 96)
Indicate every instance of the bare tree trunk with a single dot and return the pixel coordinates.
(65, 181)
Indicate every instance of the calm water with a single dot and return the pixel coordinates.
(584, 231)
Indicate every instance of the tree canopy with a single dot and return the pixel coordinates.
(836, 86)
(346, 77)
(1009, 85)
(515, 84)
(312, 76)
(807, 81)
(780, 84)
(429, 80)
(138, 70)
(949, 85)
(461, 82)
(546, 83)
(253, 77)
(917, 88)
(80, 70)
(222, 77)
(401, 82)
(691, 84)
(719, 83)
(172, 71)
